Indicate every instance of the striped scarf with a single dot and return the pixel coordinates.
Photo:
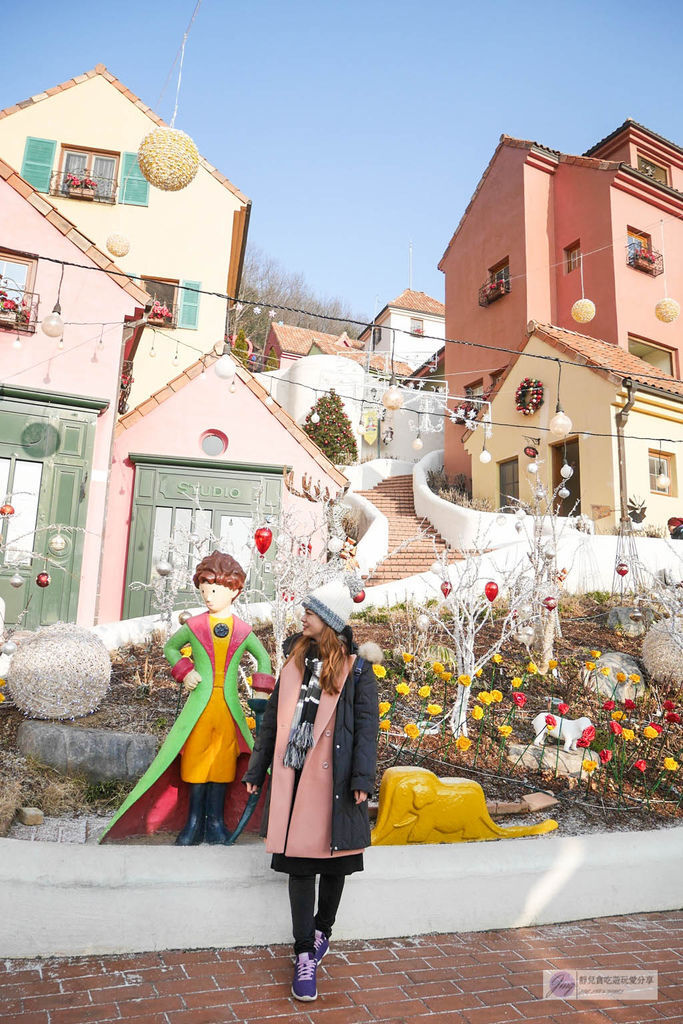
(301, 733)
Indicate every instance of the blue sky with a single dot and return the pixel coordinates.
(356, 126)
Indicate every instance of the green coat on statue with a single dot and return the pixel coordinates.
(158, 801)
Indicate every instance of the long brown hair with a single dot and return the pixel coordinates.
(332, 652)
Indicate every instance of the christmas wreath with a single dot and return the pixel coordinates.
(529, 396)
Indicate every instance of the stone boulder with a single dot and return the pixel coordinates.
(97, 754)
(619, 620)
(568, 761)
(608, 686)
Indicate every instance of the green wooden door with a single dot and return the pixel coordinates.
(45, 455)
(184, 502)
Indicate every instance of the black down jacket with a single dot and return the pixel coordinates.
(354, 756)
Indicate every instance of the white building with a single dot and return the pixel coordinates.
(414, 323)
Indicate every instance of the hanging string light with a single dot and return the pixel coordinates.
(560, 425)
(392, 398)
(484, 454)
(53, 325)
(17, 342)
(663, 480)
(418, 443)
(667, 310)
(583, 309)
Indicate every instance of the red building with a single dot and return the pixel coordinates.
(537, 220)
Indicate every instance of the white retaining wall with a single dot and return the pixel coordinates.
(66, 900)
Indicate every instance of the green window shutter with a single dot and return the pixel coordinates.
(189, 304)
(36, 168)
(134, 189)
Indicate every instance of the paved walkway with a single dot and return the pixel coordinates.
(476, 978)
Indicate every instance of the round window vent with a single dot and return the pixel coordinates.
(213, 442)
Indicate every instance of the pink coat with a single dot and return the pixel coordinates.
(310, 830)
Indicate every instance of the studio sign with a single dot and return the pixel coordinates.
(190, 489)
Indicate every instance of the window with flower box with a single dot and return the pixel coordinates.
(498, 283)
(18, 301)
(641, 256)
(417, 326)
(164, 294)
(87, 175)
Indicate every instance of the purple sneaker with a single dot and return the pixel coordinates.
(322, 944)
(303, 985)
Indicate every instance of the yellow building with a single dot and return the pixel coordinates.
(88, 130)
(593, 391)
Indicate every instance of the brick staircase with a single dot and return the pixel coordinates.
(394, 497)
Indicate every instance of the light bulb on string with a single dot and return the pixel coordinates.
(17, 342)
(52, 324)
(560, 425)
(152, 352)
(233, 386)
(176, 357)
(418, 444)
(484, 454)
(663, 480)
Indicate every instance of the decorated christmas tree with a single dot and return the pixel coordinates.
(328, 425)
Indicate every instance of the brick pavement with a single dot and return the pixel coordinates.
(490, 977)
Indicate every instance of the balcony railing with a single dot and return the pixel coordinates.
(18, 309)
(648, 260)
(89, 188)
(492, 290)
(161, 315)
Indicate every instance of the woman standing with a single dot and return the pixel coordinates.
(319, 732)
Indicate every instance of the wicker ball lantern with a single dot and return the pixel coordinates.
(118, 245)
(583, 311)
(168, 159)
(667, 310)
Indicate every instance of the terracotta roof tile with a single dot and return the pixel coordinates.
(129, 419)
(418, 302)
(102, 71)
(299, 341)
(49, 211)
(604, 357)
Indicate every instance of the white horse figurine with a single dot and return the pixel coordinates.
(567, 730)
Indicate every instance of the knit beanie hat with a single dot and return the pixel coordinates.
(332, 602)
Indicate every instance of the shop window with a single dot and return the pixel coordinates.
(23, 478)
(655, 171)
(508, 481)
(661, 358)
(572, 256)
(661, 466)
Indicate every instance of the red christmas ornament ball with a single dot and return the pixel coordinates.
(6, 510)
(263, 538)
(550, 603)
(622, 568)
(43, 579)
(446, 588)
(359, 597)
(491, 590)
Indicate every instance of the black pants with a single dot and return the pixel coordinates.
(302, 902)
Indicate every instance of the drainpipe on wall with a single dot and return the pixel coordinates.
(621, 419)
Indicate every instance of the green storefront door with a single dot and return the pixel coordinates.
(183, 501)
(46, 445)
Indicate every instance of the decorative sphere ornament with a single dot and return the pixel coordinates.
(225, 368)
(519, 525)
(446, 588)
(583, 311)
(566, 472)
(6, 510)
(485, 456)
(550, 603)
(16, 581)
(359, 597)
(53, 325)
(622, 569)
(118, 245)
(422, 623)
(184, 617)
(168, 159)
(315, 418)
(667, 310)
(334, 545)
(9, 648)
(392, 398)
(560, 424)
(533, 467)
(57, 544)
(263, 538)
(491, 590)
(43, 579)
(418, 444)
(563, 493)
(164, 568)
(61, 671)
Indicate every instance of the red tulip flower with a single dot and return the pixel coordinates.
(563, 708)
(615, 728)
(519, 699)
(673, 716)
(640, 765)
(669, 705)
(609, 705)
(629, 705)
(654, 725)
(550, 721)
(587, 736)
(605, 756)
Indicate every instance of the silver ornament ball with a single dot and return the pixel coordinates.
(16, 581)
(9, 648)
(164, 568)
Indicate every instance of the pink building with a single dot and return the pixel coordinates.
(536, 218)
(57, 403)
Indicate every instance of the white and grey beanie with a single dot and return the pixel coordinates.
(332, 602)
